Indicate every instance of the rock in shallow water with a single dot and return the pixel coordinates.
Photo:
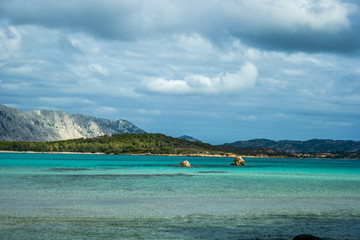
(239, 161)
(185, 164)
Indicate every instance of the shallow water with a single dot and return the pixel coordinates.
(58, 196)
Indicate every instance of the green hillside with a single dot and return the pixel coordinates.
(135, 143)
(128, 143)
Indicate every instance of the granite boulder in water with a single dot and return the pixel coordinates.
(185, 164)
(239, 161)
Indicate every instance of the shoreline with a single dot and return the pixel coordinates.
(173, 155)
(141, 154)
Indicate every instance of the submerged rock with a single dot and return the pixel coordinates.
(185, 164)
(238, 161)
(306, 237)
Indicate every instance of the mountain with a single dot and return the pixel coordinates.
(45, 125)
(313, 145)
(189, 138)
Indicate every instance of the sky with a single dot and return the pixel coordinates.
(219, 71)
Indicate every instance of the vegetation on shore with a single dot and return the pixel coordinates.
(148, 143)
(309, 146)
(136, 143)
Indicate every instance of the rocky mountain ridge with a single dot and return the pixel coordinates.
(313, 145)
(48, 125)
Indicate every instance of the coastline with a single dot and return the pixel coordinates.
(140, 154)
(229, 155)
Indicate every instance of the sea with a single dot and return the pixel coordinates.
(79, 196)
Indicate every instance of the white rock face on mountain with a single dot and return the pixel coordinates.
(45, 125)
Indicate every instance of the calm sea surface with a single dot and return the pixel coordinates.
(58, 196)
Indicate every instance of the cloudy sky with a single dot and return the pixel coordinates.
(218, 70)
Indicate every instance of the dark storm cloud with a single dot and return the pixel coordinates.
(344, 42)
(310, 26)
(105, 19)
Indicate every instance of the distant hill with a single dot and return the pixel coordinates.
(136, 143)
(149, 143)
(189, 138)
(126, 143)
(45, 125)
(313, 145)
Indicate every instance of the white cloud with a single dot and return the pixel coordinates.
(293, 72)
(244, 78)
(162, 85)
(272, 84)
(246, 117)
(10, 38)
(14, 86)
(99, 69)
(199, 84)
(133, 54)
(193, 43)
(10, 41)
(331, 123)
(64, 100)
(228, 57)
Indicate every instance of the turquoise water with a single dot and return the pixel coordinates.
(59, 196)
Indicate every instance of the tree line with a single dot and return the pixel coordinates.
(117, 144)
